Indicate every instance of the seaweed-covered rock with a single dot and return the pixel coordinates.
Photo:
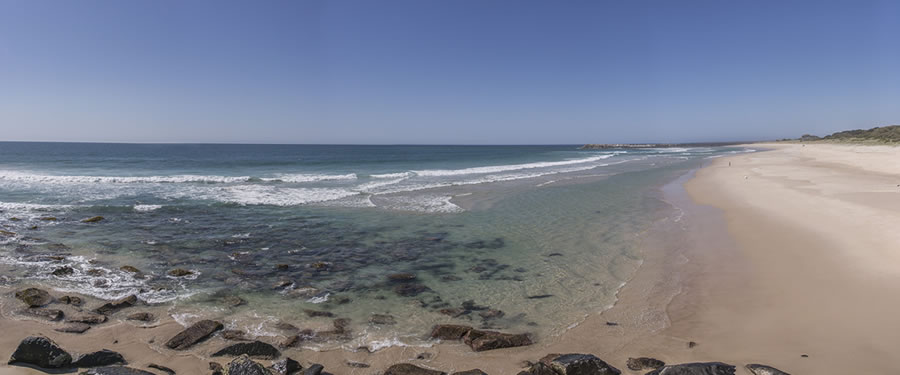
(409, 369)
(286, 366)
(402, 277)
(233, 301)
(193, 334)
(255, 349)
(95, 219)
(71, 300)
(539, 368)
(470, 372)
(243, 365)
(34, 297)
(131, 269)
(179, 272)
(758, 369)
(63, 271)
(104, 357)
(698, 368)
(410, 289)
(580, 364)
(449, 331)
(42, 352)
(644, 363)
(480, 341)
(116, 370)
(112, 307)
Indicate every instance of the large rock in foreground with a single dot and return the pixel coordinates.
(644, 363)
(41, 352)
(116, 370)
(580, 364)
(243, 365)
(408, 369)
(286, 366)
(758, 369)
(255, 349)
(700, 368)
(194, 334)
(34, 297)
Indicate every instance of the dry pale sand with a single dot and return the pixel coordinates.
(789, 252)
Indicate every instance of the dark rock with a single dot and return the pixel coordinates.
(193, 334)
(408, 369)
(104, 357)
(449, 331)
(48, 218)
(612, 324)
(94, 272)
(45, 313)
(7, 233)
(489, 340)
(758, 369)
(73, 328)
(470, 305)
(579, 364)
(314, 369)
(216, 368)
(114, 306)
(470, 372)
(341, 324)
(282, 267)
(540, 296)
(286, 327)
(318, 314)
(243, 365)
(704, 368)
(401, 277)
(116, 370)
(34, 297)
(539, 368)
(87, 318)
(286, 366)
(804, 355)
(382, 319)
(691, 344)
(233, 301)
(95, 219)
(179, 272)
(141, 316)
(644, 363)
(255, 349)
(42, 352)
(161, 368)
(450, 278)
(131, 269)
(357, 364)
(63, 271)
(410, 289)
(71, 300)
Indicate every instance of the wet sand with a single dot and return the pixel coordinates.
(786, 252)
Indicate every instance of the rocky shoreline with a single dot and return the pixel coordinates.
(254, 357)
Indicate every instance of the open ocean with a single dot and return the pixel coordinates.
(517, 238)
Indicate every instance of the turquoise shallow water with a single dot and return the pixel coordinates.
(519, 238)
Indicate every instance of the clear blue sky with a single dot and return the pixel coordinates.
(455, 71)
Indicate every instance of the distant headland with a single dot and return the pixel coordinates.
(597, 146)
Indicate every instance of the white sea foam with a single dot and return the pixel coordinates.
(19, 176)
(391, 175)
(146, 207)
(510, 167)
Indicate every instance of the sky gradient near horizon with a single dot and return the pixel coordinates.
(445, 72)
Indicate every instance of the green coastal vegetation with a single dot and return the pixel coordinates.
(882, 134)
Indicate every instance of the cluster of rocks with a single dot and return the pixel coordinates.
(36, 302)
(480, 340)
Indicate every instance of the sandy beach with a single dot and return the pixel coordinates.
(792, 261)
